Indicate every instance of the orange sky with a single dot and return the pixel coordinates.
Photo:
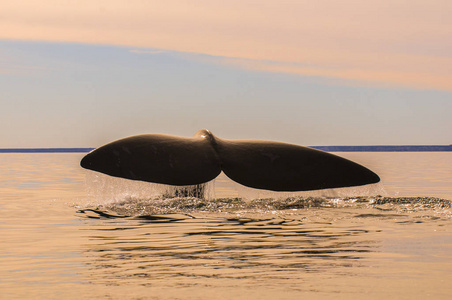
(389, 43)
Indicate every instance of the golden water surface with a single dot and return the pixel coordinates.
(66, 234)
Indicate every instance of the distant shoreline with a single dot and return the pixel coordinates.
(430, 148)
(46, 150)
(408, 148)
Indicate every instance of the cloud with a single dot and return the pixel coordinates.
(393, 42)
(355, 74)
(345, 73)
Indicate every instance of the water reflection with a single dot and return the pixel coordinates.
(314, 248)
(175, 250)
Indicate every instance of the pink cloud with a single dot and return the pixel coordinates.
(394, 42)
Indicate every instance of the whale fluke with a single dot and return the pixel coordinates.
(266, 165)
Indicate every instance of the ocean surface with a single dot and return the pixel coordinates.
(69, 233)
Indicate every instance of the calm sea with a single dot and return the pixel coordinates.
(67, 233)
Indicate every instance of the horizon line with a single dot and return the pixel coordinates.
(356, 148)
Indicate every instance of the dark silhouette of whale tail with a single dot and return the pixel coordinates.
(266, 165)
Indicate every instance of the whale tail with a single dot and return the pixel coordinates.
(266, 165)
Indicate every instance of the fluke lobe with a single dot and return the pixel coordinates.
(265, 165)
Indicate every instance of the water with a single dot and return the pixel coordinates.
(67, 233)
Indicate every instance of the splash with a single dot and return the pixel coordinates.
(105, 189)
(116, 197)
(378, 206)
(102, 189)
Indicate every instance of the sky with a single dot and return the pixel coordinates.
(83, 73)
